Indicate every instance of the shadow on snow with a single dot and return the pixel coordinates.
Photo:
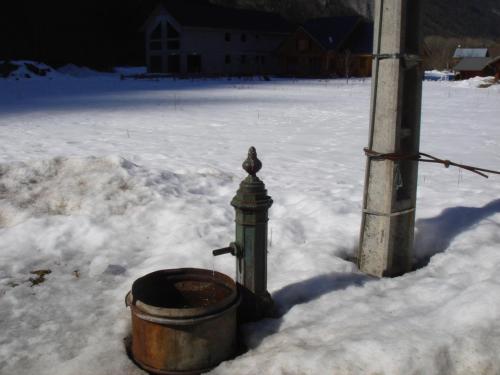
(110, 94)
(434, 235)
(299, 293)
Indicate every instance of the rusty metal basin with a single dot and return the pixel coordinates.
(183, 320)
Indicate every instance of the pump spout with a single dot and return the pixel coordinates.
(232, 249)
(222, 251)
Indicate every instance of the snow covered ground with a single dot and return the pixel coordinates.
(103, 180)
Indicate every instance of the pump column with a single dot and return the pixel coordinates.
(252, 204)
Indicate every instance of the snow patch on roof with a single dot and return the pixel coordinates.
(471, 52)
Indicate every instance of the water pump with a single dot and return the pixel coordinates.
(251, 204)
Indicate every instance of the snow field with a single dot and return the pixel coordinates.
(103, 181)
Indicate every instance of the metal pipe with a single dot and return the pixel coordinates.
(232, 249)
(221, 251)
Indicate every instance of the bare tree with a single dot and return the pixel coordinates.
(439, 52)
(344, 64)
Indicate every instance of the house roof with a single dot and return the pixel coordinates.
(331, 32)
(361, 41)
(471, 52)
(475, 64)
(201, 13)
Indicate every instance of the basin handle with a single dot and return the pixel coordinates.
(232, 249)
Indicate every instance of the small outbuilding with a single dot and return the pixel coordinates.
(478, 67)
(469, 53)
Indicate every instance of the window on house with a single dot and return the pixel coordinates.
(228, 37)
(155, 64)
(365, 65)
(262, 60)
(228, 59)
(173, 41)
(173, 64)
(172, 32)
(173, 44)
(243, 38)
(155, 46)
(303, 44)
(292, 64)
(156, 33)
(243, 59)
(194, 64)
(315, 65)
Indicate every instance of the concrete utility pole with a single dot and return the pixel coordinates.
(386, 240)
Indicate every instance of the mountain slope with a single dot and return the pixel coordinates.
(450, 18)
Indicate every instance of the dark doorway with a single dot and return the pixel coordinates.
(194, 64)
(292, 64)
(315, 66)
(174, 64)
(155, 64)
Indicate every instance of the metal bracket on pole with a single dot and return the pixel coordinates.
(408, 60)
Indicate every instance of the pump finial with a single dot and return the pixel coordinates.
(252, 164)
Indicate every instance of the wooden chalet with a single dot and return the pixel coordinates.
(332, 46)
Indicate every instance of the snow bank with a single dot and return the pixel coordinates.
(76, 71)
(130, 70)
(476, 82)
(61, 186)
(24, 70)
(21, 69)
(93, 223)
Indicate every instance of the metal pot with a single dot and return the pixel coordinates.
(183, 320)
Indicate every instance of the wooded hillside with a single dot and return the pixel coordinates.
(450, 18)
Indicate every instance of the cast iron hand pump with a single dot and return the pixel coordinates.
(251, 204)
